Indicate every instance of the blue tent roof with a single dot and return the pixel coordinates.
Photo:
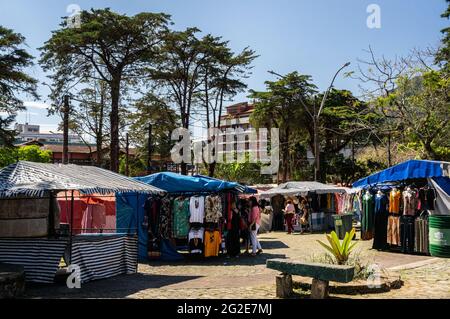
(413, 169)
(175, 183)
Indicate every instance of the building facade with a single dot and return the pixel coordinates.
(29, 132)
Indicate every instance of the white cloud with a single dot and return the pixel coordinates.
(36, 105)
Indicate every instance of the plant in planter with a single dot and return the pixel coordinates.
(340, 251)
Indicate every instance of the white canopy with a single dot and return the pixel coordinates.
(35, 179)
(302, 189)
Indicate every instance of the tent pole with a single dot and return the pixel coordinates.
(71, 227)
(137, 230)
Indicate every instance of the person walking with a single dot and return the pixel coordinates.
(254, 224)
(289, 212)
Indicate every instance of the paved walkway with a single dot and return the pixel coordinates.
(248, 277)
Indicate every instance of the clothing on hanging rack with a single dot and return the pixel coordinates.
(197, 209)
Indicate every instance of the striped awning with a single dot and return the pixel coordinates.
(36, 179)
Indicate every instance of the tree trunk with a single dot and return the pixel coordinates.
(65, 157)
(99, 138)
(430, 153)
(286, 155)
(211, 169)
(114, 118)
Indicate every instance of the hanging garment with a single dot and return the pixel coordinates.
(421, 234)
(230, 199)
(394, 201)
(232, 238)
(152, 207)
(410, 202)
(367, 222)
(165, 218)
(196, 240)
(314, 202)
(94, 218)
(339, 203)
(407, 226)
(393, 230)
(197, 209)
(329, 200)
(380, 222)
(212, 243)
(180, 212)
(357, 207)
(427, 197)
(213, 209)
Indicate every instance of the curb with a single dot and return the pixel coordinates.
(414, 265)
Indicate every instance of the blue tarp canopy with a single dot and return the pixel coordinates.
(412, 169)
(130, 206)
(175, 183)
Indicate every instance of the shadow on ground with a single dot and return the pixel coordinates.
(241, 260)
(116, 287)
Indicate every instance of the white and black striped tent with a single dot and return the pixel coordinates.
(97, 257)
(36, 179)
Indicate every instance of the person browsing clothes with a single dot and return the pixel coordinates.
(289, 212)
(254, 224)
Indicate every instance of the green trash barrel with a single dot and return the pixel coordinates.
(439, 235)
(342, 224)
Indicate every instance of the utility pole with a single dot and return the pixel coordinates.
(127, 153)
(316, 125)
(66, 110)
(149, 156)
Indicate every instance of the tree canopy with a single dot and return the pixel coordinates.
(14, 60)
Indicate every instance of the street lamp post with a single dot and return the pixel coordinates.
(316, 124)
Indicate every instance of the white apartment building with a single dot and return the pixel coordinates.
(29, 132)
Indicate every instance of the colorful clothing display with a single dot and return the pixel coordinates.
(213, 209)
(181, 214)
(212, 240)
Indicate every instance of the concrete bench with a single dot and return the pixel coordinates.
(322, 274)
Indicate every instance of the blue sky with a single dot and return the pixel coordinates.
(314, 37)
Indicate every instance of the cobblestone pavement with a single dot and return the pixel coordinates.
(248, 277)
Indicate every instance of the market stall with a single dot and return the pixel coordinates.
(195, 216)
(35, 197)
(316, 200)
(407, 207)
(266, 209)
